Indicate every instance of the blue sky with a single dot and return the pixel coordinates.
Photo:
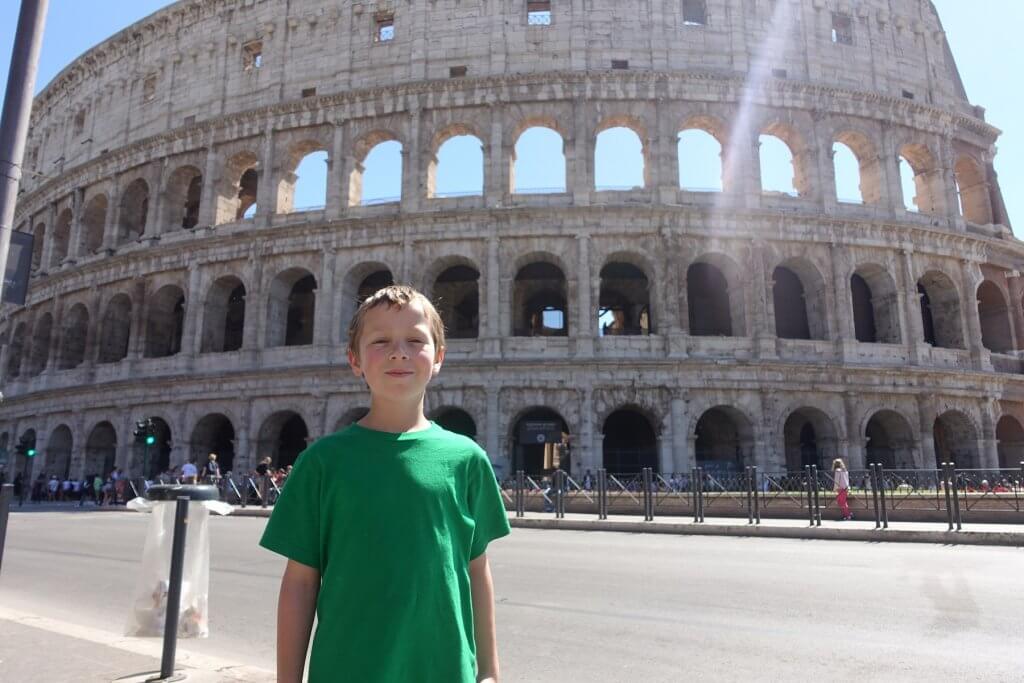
(986, 45)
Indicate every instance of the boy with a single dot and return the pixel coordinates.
(385, 525)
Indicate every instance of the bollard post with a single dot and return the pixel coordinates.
(602, 493)
(264, 491)
(881, 494)
(700, 492)
(750, 496)
(559, 494)
(520, 493)
(647, 478)
(946, 476)
(693, 490)
(956, 499)
(817, 501)
(6, 496)
(757, 496)
(874, 494)
(174, 592)
(810, 496)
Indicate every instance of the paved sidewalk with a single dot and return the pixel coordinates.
(29, 647)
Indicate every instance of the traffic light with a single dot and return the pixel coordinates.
(145, 432)
(26, 446)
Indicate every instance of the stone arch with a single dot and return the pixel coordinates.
(39, 351)
(619, 145)
(926, 178)
(956, 440)
(630, 441)
(530, 136)
(214, 433)
(940, 310)
(889, 440)
(723, 440)
(715, 297)
(61, 238)
(972, 186)
(810, 438)
(456, 295)
(183, 195)
(798, 293)
(224, 316)
(282, 436)
(798, 156)
(101, 450)
(115, 329)
(1010, 442)
(165, 322)
(875, 302)
(700, 154)
(624, 299)
(291, 309)
(15, 357)
(239, 188)
(94, 222)
(994, 315)
(361, 151)
(869, 166)
(361, 281)
(456, 420)
(538, 435)
(458, 145)
(73, 337)
(301, 154)
(58, 452)
(133, 212)
(540, 300)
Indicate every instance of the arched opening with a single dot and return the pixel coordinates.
(248, 189)
(17, 352)
(214, 434)
(1010, 443)
(237, 191)
(858, 179)
(58, 452)
(889, 441)
(224, 317)
(61, 237)
(778, 167)
(630, 443)
(918, 177)
(940, 311)
(624, 305)
(457, 170)
(378, 179)
(956, 440)
(350, 417)
(810, 439)
(304, 189)
(791, 320)
(115, 329)
(710, 308)
(100, 451)
(539, 299)
(39, 351)
(94, 221)
(876, 311)
(165, 323)
(149, 461)
(700, 161)
(373, 283)
(458, 421)
(995, 318)
(538, 162)
(847, 174)
(724, 440)
(619, 160)
(292, 308)
(457, 298)
(539, 443)
(972, 187)
(283, 437)
(183, 195)
(134, 212)
(74, 333)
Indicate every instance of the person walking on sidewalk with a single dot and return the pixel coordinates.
(841, 479)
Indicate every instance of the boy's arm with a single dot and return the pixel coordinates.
(296, 608)
(483, 620)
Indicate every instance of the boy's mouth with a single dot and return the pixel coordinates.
(398, 373)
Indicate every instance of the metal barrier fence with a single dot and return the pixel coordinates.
(874, 491)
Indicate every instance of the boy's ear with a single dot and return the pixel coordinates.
(438, 360)
(353, 361)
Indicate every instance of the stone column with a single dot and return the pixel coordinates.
(153, 226)
(583, 448)
(252, 329)
(192, 334)
(889, 169)
(988, 450)
(336, 182)
(137, 329)
(682, 457)
(971, 276)
(842, 309)
(579, 173)
(856, 448)
(492, 296)
(56, 335)
(75, 238)
(208, 202)
(497, 162)
(412, 182)
(912, 325)
(491, 436)
(948, 190)
(244, 457)
(762, 317)
(92, 335)
(585, 321)
(51, 228)
(323, 327)
(1015, 283)
(113, 223)
(926, 415)
(266, 190)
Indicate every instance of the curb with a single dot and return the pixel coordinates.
(863, 535)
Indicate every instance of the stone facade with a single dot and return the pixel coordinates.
(757, 327)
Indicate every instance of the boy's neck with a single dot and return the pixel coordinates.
(385, 416)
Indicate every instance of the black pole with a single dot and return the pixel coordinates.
(174, 589)
(520, 493)
(817, 501)
(700, 492)
(956, 498)
(6, 494)
(881, 494)
(946, 483)
(750, 496)
(693, 489)
(874, 494)
(602, 493)
(757, 496)
(648, 479)
(810, 496)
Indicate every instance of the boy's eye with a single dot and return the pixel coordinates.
(379, 341)
(416, 341)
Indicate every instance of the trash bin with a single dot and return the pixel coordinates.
(149, 607)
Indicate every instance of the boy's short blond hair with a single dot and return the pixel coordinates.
(395, 295)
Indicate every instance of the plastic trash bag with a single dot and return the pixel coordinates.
(149, 608)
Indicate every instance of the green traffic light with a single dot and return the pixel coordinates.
(31, 453)
(150, 440)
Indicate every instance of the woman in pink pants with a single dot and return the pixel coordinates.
(841, 479)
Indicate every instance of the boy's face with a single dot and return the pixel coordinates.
(396, 353)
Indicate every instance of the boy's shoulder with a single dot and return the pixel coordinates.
(354, 437)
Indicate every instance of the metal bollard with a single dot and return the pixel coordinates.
(810, 496)
(750, 496)
(956, 499)
(6, 496)
(874, 495)
(520, 493)
(757, 496)
(946, 483)
(602, 493)
(174, 593)
(693, 490)
(881, 494)
(700, 492)
(817, 501)
(559, 494)
(648, 477)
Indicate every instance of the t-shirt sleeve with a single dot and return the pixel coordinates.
(293, 529)
(485, 505)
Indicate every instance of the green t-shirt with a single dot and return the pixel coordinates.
(391, 521)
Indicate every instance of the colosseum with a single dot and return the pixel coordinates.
(176, 278)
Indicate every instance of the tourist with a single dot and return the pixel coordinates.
(841, 484)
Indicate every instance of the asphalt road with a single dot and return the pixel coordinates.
(597, 607)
